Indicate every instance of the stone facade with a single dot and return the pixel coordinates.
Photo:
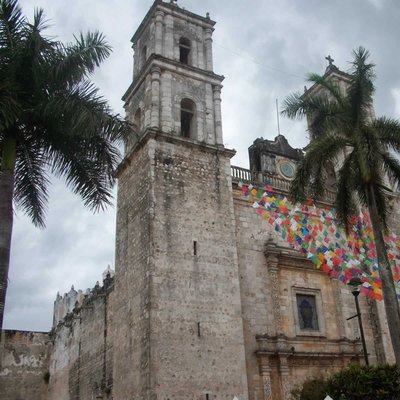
(81, 357)
(206, 300)
(185, 302)
(24, 360)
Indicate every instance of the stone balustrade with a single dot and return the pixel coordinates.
(279, 184)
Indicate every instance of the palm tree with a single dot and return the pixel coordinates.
(51, 120)
(345, 132)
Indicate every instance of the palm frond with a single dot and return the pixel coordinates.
(9, 106)
(331, 87)
(361, 69)
(39, 21)
(367, 147)
(388, 130)
(40, 47)
(391, 165)
(92, 48)
(323, 112)
(30, 193)
(294, 106)
(84, 113)
(87, 162)
(46, 100)
(88, 177)
(309, 179)
(361, 87)
(347, 178)
(328, 119)
(12, 22)
(80, 59)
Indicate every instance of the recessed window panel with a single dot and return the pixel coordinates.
(307, 312)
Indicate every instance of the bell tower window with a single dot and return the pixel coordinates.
(188, 111)
(184, 50)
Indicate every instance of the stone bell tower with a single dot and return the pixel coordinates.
(174, 88)
(178, 323)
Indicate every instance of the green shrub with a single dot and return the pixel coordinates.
(360, 382)
(312, 389)
(357, 382)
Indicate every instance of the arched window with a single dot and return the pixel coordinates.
(188, 120)
(137, 120)
(184, 50)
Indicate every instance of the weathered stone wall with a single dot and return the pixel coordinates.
(196, 325)
(161, 81)
(178, 311)
(132, 281)
(161, 31)
(24, 365)
(81, 362)
(173, 88)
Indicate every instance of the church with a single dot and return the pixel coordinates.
(208, 300)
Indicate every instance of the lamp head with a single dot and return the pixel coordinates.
(355, 284)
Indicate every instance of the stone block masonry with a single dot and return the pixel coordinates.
(81, 361)
(178, 306)
(24, 370)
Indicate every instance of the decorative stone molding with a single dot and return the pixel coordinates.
(296, 348)
(217, 114)
(272, 256)
(265, 371)
(208, 46)
(155, 97)
(159, 17)
(285, 381)
(279, 354)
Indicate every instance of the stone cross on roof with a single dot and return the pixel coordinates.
(330, 60)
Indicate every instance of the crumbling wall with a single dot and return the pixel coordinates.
(24, 365)
(81, 361)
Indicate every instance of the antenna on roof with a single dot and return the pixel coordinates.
(277, 116)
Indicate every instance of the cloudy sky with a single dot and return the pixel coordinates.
(264, 48)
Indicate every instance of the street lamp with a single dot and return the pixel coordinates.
(355, 284)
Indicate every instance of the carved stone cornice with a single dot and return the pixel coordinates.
(283, 346)
(272, 257)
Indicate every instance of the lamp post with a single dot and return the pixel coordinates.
(355, 284)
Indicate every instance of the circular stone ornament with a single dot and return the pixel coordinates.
(287, 169)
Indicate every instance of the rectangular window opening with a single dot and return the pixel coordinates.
(307, 312)
(194, 248)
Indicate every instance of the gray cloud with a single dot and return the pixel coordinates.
(264, 48)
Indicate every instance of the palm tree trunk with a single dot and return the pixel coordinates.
(385, 272)
(6, 216)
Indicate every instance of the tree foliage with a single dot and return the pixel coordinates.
(52, 120)
(343, 129)
(346, 133)
(53, 113)
(379, 382)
